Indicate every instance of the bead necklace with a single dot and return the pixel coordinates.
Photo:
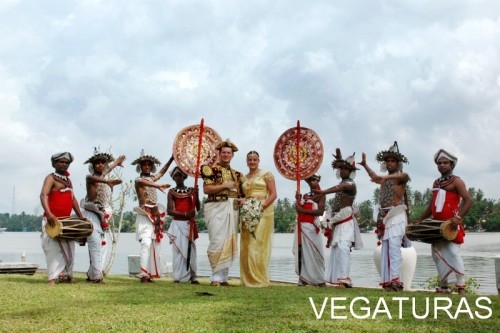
(183, 190)
(444, 179)
(63, 179)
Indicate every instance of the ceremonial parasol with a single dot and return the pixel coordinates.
(185, 148)
(193, 146)
(310, 153)
(298, 154)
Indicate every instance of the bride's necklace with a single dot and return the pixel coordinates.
(253, 174)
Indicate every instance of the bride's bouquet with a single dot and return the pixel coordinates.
(250, 213)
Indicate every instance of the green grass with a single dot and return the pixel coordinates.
(27, 304)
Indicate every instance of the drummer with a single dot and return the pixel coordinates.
(149, 223)
(58, 201)
(450, 201)
(392, 216)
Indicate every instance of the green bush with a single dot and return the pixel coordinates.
(471, 285)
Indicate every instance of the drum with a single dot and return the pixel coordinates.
(431, 231)
(70, 228)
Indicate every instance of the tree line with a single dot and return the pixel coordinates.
(483, 216)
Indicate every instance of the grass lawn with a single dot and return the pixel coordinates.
(28, 304)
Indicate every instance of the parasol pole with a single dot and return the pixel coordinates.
(195, 199)
(297, 177)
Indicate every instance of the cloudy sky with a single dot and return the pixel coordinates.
(127, 75)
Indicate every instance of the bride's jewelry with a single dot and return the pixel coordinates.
(252, 174)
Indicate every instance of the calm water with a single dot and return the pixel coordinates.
(478, 253)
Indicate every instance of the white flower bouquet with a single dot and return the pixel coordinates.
(250, 213)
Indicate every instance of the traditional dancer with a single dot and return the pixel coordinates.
(58, 201)
(309, 208)
(342, 226)
(150, 215)
(392, 216)
(450, 201)
(222, 184)
(182, 209)
(97, 208)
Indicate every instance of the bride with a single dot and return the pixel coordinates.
(255, 245)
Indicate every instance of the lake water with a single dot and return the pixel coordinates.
(478, 253)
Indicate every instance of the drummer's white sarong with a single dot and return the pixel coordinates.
(150, 248)
(59, 254)
(449, 263)
(178, 232)
(222, 221)
(313, 261)
(96, 250)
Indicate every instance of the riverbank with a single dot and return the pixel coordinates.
(478, 253)
(125, 305)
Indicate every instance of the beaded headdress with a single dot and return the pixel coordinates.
(253, 153)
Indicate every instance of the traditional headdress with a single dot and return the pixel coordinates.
(227, 143)
(443, 153)
(253, 153)
(349, 163)
(59, 156)
(315, 176)
(98, 156)
(393, 152)
(143, 157)
(178, 170)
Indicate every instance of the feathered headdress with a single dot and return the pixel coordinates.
(143, 157)
(349, 163)
(98, 156)
(393, 152)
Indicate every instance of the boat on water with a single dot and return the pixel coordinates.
(18, 268)
(2, 230)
